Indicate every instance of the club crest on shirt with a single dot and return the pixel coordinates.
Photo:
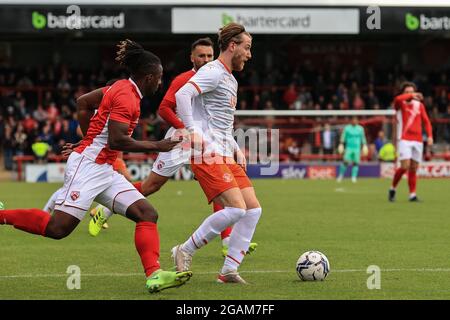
(227, 177)
(75, 195)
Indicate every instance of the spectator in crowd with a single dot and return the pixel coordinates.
(328, 139)
(387, 153)
(294, 151)
(290, 96)
(379, 141)
(40, 115)
(40, 149)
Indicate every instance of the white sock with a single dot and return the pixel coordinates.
(240, 239)
(106, 212)
(50, 205)
(412, 195)
(212, 227)
(226, 241)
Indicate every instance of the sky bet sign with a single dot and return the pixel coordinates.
(74, 20)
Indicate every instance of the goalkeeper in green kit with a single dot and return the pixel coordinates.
(353, 137)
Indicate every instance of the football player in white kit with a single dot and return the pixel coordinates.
(206, 105)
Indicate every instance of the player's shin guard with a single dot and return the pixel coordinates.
(240, 239)
(397, 176)
(212, 227)
(146, 239)
(412, 182)
(30, 220)
(225, 233)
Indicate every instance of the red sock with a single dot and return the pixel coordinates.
(225, 233)
(412, 181)
(146, 239)
(138, 186)
(397, 176)
(30, 220)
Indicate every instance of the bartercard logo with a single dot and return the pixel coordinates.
(424, 22)
(75, 21)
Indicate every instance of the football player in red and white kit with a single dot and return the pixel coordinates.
(168, 163)
(89, 174)
(411, 114)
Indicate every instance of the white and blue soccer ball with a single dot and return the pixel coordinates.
(312, 266)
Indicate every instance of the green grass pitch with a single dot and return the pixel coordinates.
(353, 224)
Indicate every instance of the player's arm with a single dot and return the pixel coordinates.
(168, 105)
(120, 118)
(86, 105)
(342, 141)
(365, 149)
(166, 111)
(118, 139)
(426, 121)
(205, 80)
(406, 97)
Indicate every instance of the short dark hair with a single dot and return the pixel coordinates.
(136, 60)
(407, 84)
(202, 42)
(231, 32)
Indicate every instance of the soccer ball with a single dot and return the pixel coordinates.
(312, 265)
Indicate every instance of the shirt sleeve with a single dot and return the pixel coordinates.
(166, 111)
(400, 98)
(363, 136)
(104, 89)
(121, 107)
(343, 135)
(206, 79)
(426, 121)
(175, 85)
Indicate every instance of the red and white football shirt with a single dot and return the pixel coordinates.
(121, 102)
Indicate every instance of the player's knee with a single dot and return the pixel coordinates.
(57, 232)
(148, 214)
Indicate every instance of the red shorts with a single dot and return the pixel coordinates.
(216, 178)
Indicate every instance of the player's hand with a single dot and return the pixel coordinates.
(430, 141)
(417, 96)
(167, 144)
(240, 160)
(341, 148)
(365, 150)
(67, 149)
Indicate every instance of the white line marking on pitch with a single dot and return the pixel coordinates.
(211, 272)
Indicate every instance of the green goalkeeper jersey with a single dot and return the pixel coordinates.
(353, 137)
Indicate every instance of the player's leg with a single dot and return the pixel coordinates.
(165, 166)
(416, 158)
(50, 205)
(404, 156)
(153, 183)
(124, 199)
(243, 230)
(412, 180)
(356, 157)
(226, 192)
(343, 166)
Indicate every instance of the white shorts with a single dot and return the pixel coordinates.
(86, 181)
(168, 163)
(410, 150)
